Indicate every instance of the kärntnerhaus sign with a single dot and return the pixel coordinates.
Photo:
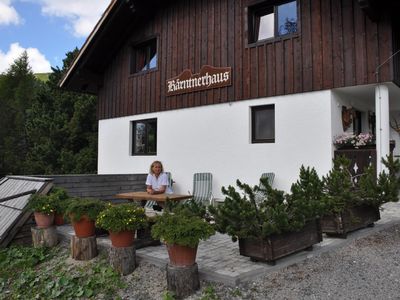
(208, 78)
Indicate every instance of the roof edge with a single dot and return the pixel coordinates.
(87, 43)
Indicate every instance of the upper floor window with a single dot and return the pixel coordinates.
(268, 20)
(263, 124)
(144, 139)
(144, 56)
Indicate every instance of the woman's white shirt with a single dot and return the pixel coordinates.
(157, 183)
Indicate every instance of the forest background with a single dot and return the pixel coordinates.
(43, 129)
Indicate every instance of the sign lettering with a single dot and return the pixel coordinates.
(208, 78)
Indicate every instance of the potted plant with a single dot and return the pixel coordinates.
(181, 230)
(280, 224)
(83, 214)
(353, 205)
(60, 199)
(43, 210)
(121, 221)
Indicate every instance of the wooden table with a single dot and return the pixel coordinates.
(143, 197)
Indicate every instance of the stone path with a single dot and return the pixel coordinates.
(219, 260)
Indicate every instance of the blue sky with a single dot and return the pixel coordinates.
(46, 29)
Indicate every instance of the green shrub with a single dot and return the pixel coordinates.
(78, 207)
(181, 228)
(60, 199)
(191, 207)
(342, 191)
(241, 217)
(127, 216)
(41, 203)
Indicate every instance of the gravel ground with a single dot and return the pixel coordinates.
(366, 268)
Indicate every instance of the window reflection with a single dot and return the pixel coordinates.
(144, 137)
(144, 56)
(287, 18)
(267, 20)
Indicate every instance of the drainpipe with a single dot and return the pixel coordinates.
(382, 125)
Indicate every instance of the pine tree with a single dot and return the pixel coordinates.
(338, 186)
(62, 129)
(17, 91)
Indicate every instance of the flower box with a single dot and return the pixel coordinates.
(280, 245)
(350, 219)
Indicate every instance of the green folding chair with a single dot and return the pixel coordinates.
(202, 188)
(270, 176)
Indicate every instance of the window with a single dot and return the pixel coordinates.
(263, 124)
(268, 21)
(144, 56)
(144, 137)
(357, 125)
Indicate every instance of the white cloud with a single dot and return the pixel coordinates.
(37, 60)
(8, 14)
(82, 15)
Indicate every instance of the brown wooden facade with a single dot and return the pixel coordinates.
(337, 45)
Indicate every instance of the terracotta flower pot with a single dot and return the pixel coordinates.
(58, 219)
(43, 220)
(122, 238)
(84, 227)
(182, 256)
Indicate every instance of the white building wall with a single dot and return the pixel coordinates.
(217, 139)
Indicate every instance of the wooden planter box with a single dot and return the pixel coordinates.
(349, 220)
(280, 245)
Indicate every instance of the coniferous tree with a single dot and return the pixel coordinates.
(17, 91)
(62, 128)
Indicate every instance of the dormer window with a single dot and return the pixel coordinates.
(268, 21)
(144, 56)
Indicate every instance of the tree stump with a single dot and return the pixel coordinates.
(183, 281)
(123, 259)
(44, 237)
(83, 248)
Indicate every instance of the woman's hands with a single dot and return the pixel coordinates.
(154, 192)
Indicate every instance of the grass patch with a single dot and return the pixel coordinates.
(42, 76)
(31, 273)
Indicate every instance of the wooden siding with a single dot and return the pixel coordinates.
(336, 46)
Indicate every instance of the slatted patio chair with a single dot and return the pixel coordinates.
(270, 176)
(149, 204)
(202, 188)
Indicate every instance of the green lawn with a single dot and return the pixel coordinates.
(42, 76)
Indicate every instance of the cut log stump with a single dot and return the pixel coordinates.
(44, 237)
(83, 248)
(123, 259)
(183, 281)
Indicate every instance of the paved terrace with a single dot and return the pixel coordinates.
(219, 260)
